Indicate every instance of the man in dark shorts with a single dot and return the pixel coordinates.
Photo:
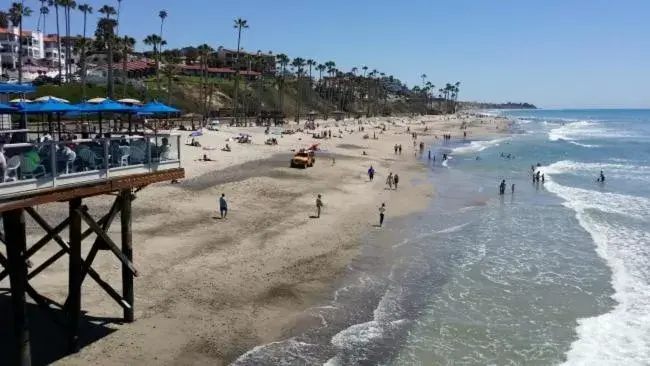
(223, 206)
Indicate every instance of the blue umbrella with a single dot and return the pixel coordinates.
(50, 106)
(106, 106)
(196, 133)
(157, 107)
(6, 108)
(16, 88)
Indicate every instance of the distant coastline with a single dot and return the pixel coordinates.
(507, 105)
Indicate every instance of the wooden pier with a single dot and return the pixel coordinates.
(14, 209)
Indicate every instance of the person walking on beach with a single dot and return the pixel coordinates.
(396, 149)
(502, 187)
(371, 173)
(395, 180)
(389, 180)
(223, 206)
(319, 205)
(429, 154)
(382, 212)
(512, 188)
(399, 148)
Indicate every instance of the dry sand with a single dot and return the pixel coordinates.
(211, 289)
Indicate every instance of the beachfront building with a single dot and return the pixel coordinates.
(228, 58)
(217, 72)
(33, 48)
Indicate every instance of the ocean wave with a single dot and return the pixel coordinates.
(583, 130)
(477, 146)
(621, 336)
(612, 170)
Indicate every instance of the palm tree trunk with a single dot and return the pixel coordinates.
(20, 50)
(82, 60)
(109, 74)
(158, 55)
(236, 92)
(125, 56)
(58, 43)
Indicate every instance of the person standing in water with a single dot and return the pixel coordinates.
(512, 188)
(382, 211)
(429, 154)
(601, 179)
(502, 187)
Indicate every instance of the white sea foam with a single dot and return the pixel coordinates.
(618, 171)
(622, 336)
(583, 130)
(477, 146)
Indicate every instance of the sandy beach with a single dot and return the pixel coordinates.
(210, 289)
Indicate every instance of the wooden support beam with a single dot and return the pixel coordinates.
(47, 263)
(3, 260)
(16, 240)
(74, 275)
(111, 245)
(127, 249)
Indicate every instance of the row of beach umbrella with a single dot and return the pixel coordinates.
(105, 105)
(57, 106)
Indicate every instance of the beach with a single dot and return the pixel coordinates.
(210, 289)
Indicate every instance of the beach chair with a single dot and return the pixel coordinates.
(11, 172)
(69, 162)
(124, 152)
(29, 169)
(88, 159)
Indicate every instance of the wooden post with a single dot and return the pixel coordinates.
(14, 224)
(74, 276)
(127, 249)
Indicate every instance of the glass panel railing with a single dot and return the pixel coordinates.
(38, 165)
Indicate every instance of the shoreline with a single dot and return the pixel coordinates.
(210, 290)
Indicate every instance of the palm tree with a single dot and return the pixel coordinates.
(329, 94)
(204, 51)
(117, 17)
(16, 14)
(85, 9)
(43, 10)
(283, 61)
(321, 68)
(311, 63)
(239, 24)
(456, 91)
(4, 19)
(162, 15)
(55, 3)
(127, 44)
(169, 70)
(299, 63)
(67, 6)
(109, 33)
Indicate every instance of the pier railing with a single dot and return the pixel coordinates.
(49, 164)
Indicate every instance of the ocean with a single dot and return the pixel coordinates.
(555, 273)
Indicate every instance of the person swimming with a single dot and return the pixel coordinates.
(601, 179)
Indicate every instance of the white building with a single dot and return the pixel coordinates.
(33, 47)
(40, 52)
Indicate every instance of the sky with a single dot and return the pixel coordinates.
(552, 53)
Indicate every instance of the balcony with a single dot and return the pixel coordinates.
(45, 165)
